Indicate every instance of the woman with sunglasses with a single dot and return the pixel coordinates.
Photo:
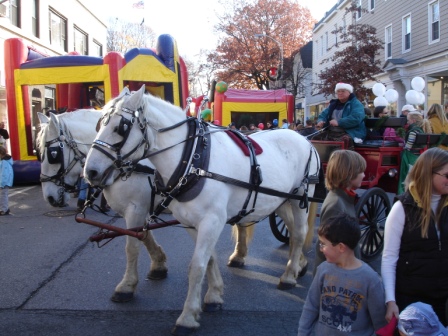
(415, 257)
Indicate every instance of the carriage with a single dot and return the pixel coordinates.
(383, 158)
(136, 127)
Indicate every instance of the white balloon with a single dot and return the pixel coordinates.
(413, 97)
(380, 101)
(378, 89)
(421, 97)
(391, 96)
(418, 83)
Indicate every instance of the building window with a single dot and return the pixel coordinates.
(35, 17)
(14, 12)
(80, 41)
(97, 49)
(388, 42)
(407, 33)
(322, 45)
(359, 10)
(372, 4)
(336, 35)
(49, 97)
(58, 31)
(434, 21)
(326, 41)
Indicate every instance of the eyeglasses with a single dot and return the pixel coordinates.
(322, 245)
(444, 175)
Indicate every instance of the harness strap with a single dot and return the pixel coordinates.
(255, 179)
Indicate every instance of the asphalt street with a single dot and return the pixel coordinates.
(55, 282)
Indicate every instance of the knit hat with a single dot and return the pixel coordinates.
(343, 86)
(420, 319)
(409, 108)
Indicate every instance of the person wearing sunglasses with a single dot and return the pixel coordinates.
(415, 257)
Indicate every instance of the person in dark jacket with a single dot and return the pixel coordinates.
(415, 257)
(345, 172)
(344, 117)
(309, 128)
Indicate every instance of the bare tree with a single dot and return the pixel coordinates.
(123, 36)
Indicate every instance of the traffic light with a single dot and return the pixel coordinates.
(274, 73)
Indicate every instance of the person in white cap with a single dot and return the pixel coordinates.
(406, 109)
(344, 117)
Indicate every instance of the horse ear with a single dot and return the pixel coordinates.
(54, 119)
(136, 97)
(124, 92)
(42, 118)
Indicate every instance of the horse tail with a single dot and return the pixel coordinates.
(311, 220)
(249, 233)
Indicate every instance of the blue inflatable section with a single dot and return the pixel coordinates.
(134, 52)
(26, 172)
(62, 61)
(165, 52)
(165, 49)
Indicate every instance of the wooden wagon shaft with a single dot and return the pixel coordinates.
(117, 231)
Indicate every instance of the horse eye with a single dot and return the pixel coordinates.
(116, 129)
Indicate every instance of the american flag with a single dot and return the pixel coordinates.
(139, 5)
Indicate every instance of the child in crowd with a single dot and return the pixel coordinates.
(7, 177)
(345, 172)
(346, 296)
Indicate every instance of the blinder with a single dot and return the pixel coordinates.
(55, 155)
(124, 127)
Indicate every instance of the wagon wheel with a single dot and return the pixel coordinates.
(279, 228)
(372, 210)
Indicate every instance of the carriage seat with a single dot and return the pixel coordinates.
(377, 143)
(390, 122)
(431, 140)
(373, 142)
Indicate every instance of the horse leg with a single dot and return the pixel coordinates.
(213, 298)
(158, 268)
(242, 235)
(207, 237)
(296, 221)
(124, 291)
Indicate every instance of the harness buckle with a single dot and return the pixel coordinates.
(197, 171)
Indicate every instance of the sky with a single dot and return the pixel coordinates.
(189, 22)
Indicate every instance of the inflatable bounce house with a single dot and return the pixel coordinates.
(38, 83)
(245, 107)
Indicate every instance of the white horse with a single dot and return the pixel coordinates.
(138, 125)
(63, 142)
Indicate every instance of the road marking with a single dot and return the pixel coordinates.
(20, 191)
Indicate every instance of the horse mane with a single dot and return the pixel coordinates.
(39, 143)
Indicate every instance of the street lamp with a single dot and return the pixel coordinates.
(280, 47)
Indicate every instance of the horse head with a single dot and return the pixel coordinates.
(61, 154)
(129, 131)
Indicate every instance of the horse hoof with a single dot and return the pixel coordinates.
(122, 297)
(182, 331)
(157, 275)
(211, 307)
(285, 286)
(303, 271)
(234, 263)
